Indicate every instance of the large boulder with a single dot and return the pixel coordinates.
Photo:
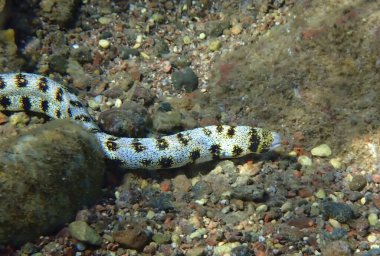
(46, 175)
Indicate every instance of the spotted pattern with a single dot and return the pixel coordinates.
(20, 80)
(30, 92)
(2, 84)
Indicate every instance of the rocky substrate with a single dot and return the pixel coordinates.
(308, 69)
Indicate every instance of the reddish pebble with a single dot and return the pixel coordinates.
(376, 201)
(165, 185)
(3, 118)
(301, 222)
(376, 178)
(166, 66)
(304, 192)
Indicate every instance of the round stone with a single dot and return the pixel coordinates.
(104, 43)
(322, 150)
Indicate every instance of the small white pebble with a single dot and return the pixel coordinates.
(336, 163)
(139, 39)
(322, 150)
(304, 160)
(118, 103)
(334, 223)
(104, 43)
(202, 36)
(371, 238)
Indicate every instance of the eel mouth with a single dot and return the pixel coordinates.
(276, 140)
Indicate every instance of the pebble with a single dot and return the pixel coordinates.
(186, 40)
(162, 238)
(202, 36)
(215, 45)
(199, 233)
(321, 194)
(104, 20)
(334, 223)
(304, 161)
(185, 79)
(338, 211)
(262, 208)
(322, 150)
(236, 29)
(371, 238)
(373, 219)
(338, 247)
(132, 237)
(83, 232)
(225, 249)
(287, 206)
(104, 43)
(376, 178)
(336, 163)
(357, 183)
(150, 214)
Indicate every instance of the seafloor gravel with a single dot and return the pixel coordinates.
(308, 69)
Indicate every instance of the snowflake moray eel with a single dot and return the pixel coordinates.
(36, 93)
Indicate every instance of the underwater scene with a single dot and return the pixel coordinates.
(180, 127)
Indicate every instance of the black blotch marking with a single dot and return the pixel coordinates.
(206, 131)
(162, 144)
(237, 150)
(111, 144)
(254, 140)
(58, 113)
(94, 130)
(76, 103)
(69, 112)
(2, 83)
(59, 95)
(5, 102)
(20, 80)
(165, 162)
(44, 105)
(25, 103)
(194, 155)
(82, 118)
(219, 128)
(215, 150)
(231, 132)
(138, 146)
(42, 84)
(182, 139)
(146, 162)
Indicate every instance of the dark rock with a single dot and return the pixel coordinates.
(46, 175)
(130, 120)
(249, 193)
(338, 211)
(358, 183)
(58, 63)
(160, 47)
(338, 247)
(81, 54)
(166, 121)
(216, 28)
(60, 12)
(132, 237)
(127, 53)
(185, 79)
